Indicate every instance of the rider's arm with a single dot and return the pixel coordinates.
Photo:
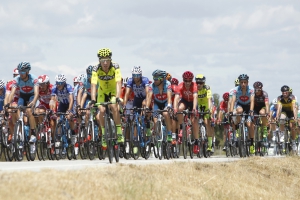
(70, 101)
(128, 91)
(83, 99)
(79, 96)
(176, 100)
(295, 109)
(52, 103)
(169, 96)
(195, 101)
(279, 107)
(94, 82)
(252, 102)
(12, 93)
(233, 99)
(267, 107)
(149, 99)
(119, 87)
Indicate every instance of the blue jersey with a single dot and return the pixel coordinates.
(138, 90)
(62, 95)
(26, 87)
(273, 109)
(240, 98)
(160, 98)
(2, 97)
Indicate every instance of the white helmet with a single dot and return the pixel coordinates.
(136, 70)
(2, 84)
(60, 78)
(274, 101)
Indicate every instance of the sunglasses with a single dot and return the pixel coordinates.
(136, 75)
(158, 78)
(60, 83)
(200, 83)
(105, 60)
(188, 80)
(23, 72)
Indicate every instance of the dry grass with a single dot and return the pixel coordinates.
(253, 178)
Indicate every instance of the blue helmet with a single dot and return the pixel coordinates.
(244, 77)
(24, 66)
(89, 69)
(159, 73)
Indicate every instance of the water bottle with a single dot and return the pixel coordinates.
(26, 128)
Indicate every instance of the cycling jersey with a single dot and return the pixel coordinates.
(160, 97)
(287, 103)
(2, 97)
(273, 109)
(26, 87)
(243, 99)
(62, 95)
(173, 87)
(45, 96)
(223, 106)
(260, 101)
(204, 95)
(107, 81)
(187, 94)
(17, 91)
(139, 90)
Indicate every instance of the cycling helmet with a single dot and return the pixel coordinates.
(125, 80)
(257, 85)
(200, 78)
(285, 88)
(237, 82)
(60, 78)
(159, 73)
(274, 101)
(24, 66)
(16, 71)
(187, 75)
(43, 79)
(105, 52)
(169, 77)
(244, 77)
(75, 79)
(291, 90)
(150, 82)
(2, 84)
(174, 81)
(89, 69)
(226, 96)
(81, 78)
(136, 70)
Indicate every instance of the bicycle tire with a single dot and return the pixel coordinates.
(117, 152)
(241, 142)
(10, 152)
(58, 141)
(43, 144)
(158, 139)
(184, 141)
(147, 150)
(81, 143)
(39, 142)
(90, 143)
(135, 142)
(1, 142)
(108, 134)
(17, 139)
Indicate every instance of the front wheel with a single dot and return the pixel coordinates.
(19, 144)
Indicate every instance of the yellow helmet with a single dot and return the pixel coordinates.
(200, 78)
(105, 52)
(291, 90)
(237, 82)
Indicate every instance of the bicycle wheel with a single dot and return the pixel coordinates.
(39, 141)
(10, 151)
(109, 139)
(58, 144)
(100, 151)
(82, 140)
(257, 140)
(18, 141)
(147, 150)
(43, 144)
(184, 141)
(90, 143)
(158, 140)
(286, 143)
(135, 146)
(1, 142)
(117, 152)
(241, 142)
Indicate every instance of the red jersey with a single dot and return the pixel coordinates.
(45, 96)
(8, 90)
(187, 94)
(173, 87)
(123, 92)
(223, 106)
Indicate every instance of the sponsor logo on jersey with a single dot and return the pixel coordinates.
(202, 95)
(27, 89)
(161, 96)
(106, 78)
(244, 98)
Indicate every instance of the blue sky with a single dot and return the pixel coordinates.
(220, 39)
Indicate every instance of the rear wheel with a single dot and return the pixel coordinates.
(158, 140)
(184, 142)
(90, 143)
(81, 143)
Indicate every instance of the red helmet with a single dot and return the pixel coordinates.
(226, 96)
(43, 79)
(16, 71)
(174, 81)
(187, 75)
(150, 82)
(75, 79)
